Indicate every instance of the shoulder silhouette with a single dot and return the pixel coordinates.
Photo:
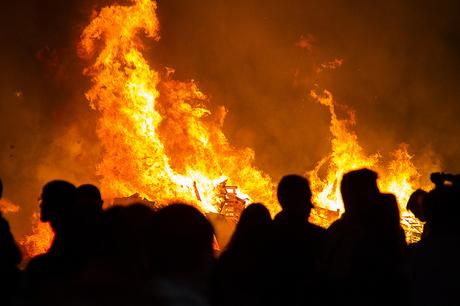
(433, 262)
(182, 255)
(296, 244)
(10, 258)
(364, 249)
(244, 268)
(48, 275)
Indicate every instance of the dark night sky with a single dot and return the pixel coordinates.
(400, 73)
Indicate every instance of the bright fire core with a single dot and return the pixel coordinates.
(159, 138)
(162, 142)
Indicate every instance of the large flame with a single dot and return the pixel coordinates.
(399, 176)
(160, 139)
(163, 143)
(346, 155)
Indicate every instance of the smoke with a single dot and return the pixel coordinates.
(399, 72)
(46, 128)
(260, 59)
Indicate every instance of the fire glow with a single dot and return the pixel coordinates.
(399, 177)
(162, 142)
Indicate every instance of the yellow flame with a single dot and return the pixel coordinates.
(162, 142)
(39, 241)
(402, 178)
(399, 176)
(346, 155)
(160, 139)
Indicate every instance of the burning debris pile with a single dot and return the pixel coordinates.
(399, 177)
(159, 138)
(230, 204)
(162, 143)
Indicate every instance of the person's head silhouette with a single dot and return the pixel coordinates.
(416, 204)
(256, 214)
(89, 199)
(294, 195)
(358, 188)
(254, 222)
(182, 238)
(442, 209)
(56, 203)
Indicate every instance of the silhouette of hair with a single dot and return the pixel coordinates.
(294, 192)
(416, 204)
(183, 238)
(10, 255)
(254, 222)
(90, 191)
(56, 199)
(89, 199)
(357, 187)
(442, 208)
(243, 268)
(127, 221)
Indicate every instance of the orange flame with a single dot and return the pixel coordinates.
(39, 241)
(163, 143)
(402, 178)
(399, 177)
(160, 140)
(8, 207)
(346, 155)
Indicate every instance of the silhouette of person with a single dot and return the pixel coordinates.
(126, 241)
(417, 205)
(296, 245)
(87, 213)
(363, 257)
(89, 200)
(242, 273)
(118, 271)
(182, 255)
(48, 275)
(10, 258)
(10, 255)
(57, 202)
(86, 236)
(253, 226)
(433, 264)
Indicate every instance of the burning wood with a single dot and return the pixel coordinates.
(161, 142)
(399, 177)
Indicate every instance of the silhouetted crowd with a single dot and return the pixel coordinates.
(141, 255)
